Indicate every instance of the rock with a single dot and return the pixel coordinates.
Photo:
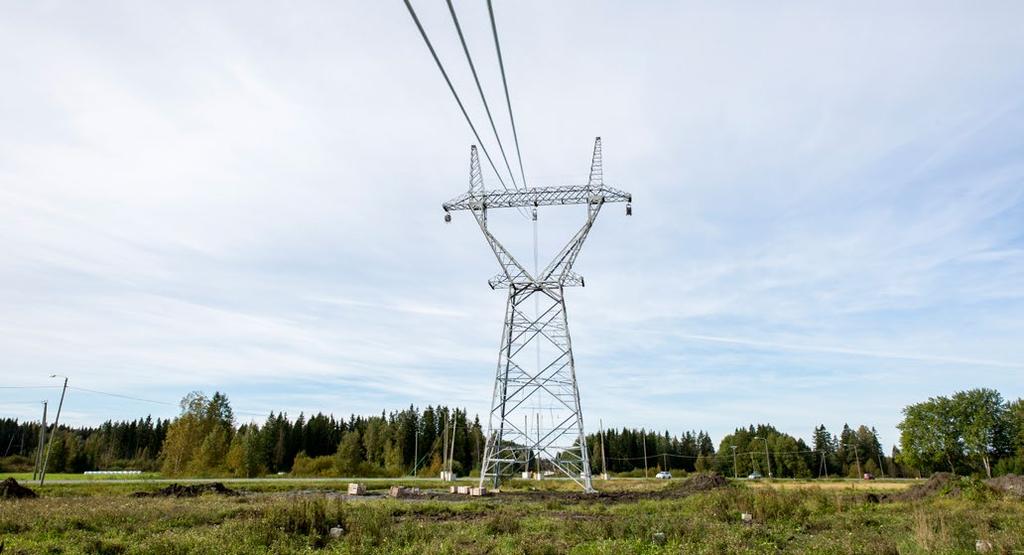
(983, 546)
(747, 518)
(659, 538)
(337, 532)
(356, 489)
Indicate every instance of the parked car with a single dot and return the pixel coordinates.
(663, 475)
(869, 476)
(755, 475)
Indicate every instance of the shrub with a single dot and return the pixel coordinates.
(313, 466)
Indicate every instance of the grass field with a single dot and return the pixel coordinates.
(630, 516)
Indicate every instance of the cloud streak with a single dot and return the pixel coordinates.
(827, 207)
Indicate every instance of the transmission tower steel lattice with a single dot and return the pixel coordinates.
(536, 374)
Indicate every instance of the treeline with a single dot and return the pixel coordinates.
(624, 451)
(203, 441)
(132, 444)
(760, 448)
(970, 432)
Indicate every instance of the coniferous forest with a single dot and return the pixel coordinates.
(972, 432)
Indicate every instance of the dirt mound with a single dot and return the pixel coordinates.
(1010, 483)
(698, 483)
(11, 489)
(937, 484)
(195, 490)
(948, 485)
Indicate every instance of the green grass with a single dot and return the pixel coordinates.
(286, 517)
(27, 476)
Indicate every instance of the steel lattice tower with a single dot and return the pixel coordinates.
(535, 417)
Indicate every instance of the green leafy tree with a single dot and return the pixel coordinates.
(245, 457)
(980, 416)
(350, 453)
(198, 440)
(928, 435)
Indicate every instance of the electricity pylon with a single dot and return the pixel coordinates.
(536, 374)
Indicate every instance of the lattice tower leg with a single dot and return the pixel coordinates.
(546, 393)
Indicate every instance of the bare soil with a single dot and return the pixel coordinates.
(11, 489)
(195, 490)
(935, 485)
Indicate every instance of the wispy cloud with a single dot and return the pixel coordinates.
(250, 201)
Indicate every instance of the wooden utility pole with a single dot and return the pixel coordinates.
(444, 447)
(604, 469)
(56, 421)
(42, 442)
(735, 465)
(645, 453)
(451, 454)
(416, 450)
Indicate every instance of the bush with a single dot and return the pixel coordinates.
(313, 466)
(16, 463)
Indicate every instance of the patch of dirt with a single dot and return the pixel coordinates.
(1010, 483)
(195, 490)
(11, 489)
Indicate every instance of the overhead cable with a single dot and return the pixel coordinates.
(451, 87)
(480, 89)
(504, 82)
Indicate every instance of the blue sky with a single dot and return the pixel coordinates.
(828, 219)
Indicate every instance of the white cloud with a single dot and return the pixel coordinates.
(827, 205)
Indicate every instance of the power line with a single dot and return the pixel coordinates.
(27, 386)
(132, 398)
(480, 89)
(108, 394)
(451, 87)
(504, 82)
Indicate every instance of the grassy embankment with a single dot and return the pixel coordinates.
(295, 517)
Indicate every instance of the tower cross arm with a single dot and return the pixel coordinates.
(536, 196)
